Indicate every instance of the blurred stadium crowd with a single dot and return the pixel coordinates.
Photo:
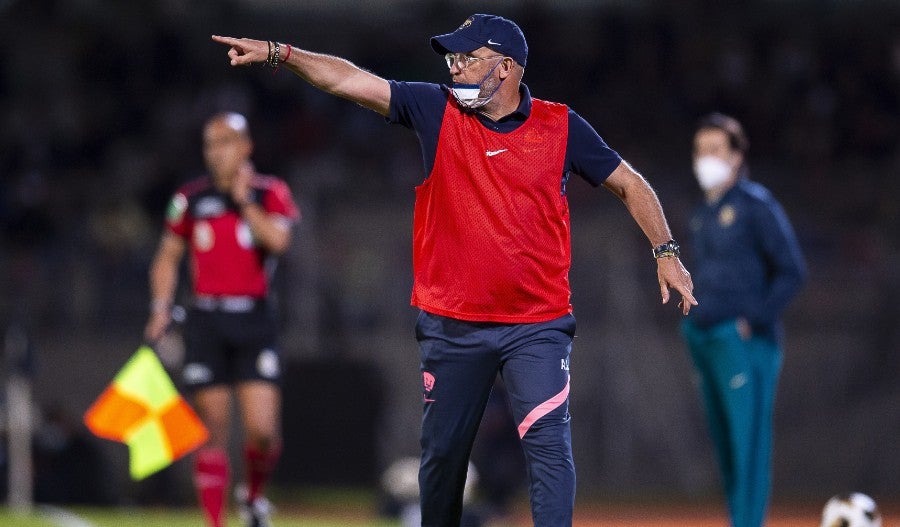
(101, 104)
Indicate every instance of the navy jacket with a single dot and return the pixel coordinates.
(745, 259)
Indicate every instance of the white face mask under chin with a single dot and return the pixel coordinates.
(711, 172)
(469, 95)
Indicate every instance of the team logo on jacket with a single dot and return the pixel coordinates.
(727, 216)
(428, 381)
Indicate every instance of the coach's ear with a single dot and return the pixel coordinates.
(507, 65)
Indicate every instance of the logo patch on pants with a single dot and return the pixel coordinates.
(738, 381)
(428, 382)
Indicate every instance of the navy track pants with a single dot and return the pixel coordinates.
(459, 362)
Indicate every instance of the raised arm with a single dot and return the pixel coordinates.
(642, 203)
(328, 73)
(271, 231)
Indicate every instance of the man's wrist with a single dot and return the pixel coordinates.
(242, 205)
(668, 249)
(160, 305)
(244, 201)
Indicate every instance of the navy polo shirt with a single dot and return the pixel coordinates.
(420, 106)
(744, 258)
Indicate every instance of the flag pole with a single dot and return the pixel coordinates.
(19, 420)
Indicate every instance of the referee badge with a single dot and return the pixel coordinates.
(177, 206)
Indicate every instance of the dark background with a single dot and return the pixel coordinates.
(101, 105)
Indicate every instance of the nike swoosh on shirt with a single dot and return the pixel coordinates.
(491, 153)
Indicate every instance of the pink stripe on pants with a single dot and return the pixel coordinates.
(543, 409)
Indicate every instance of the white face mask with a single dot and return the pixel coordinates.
(469, 95)
(711, 171)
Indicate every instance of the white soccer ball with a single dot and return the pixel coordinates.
(401, 480)
(851, 510)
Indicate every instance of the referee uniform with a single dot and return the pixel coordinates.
(231, 224)
(230, 334)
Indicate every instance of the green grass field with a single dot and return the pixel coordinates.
(304, 508)
(349, 508)
(143, 517)
(595, 515)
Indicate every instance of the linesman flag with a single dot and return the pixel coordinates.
(142, 409)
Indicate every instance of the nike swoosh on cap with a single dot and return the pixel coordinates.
(491, 42)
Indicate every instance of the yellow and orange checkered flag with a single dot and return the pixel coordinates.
(143, 409)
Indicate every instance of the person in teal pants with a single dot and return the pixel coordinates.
(747, 266)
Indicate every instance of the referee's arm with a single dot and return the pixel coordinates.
(163, 281)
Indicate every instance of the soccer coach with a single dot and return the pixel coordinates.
(491, 247)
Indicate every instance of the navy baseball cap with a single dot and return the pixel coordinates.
(494, 32)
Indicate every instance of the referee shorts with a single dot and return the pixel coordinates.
(230, 346)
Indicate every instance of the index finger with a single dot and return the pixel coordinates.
(231, 41)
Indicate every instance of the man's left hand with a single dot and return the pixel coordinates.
(671, 273)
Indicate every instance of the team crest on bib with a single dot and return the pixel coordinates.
(727, 216)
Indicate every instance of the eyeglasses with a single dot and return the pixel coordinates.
(463, 61)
